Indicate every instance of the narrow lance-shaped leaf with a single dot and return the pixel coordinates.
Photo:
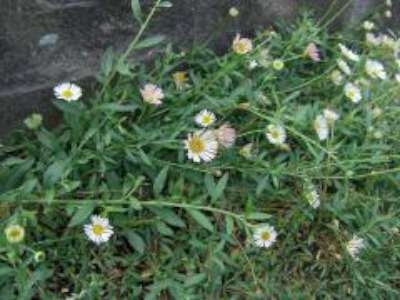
(201, 219)
(137, 10)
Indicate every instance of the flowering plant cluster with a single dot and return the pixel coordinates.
(214, 175)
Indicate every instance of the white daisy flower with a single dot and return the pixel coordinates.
(321, 127)
(312, 197)
(346, 52)
(68, 91)
(265, 236)
(276, 134)
(331, 116)
(354, 246)
(373, 40)
(242, 45)
(375, 69)
(368, 25)
(352, 92)
(397, 77)
(201, 146)
(14, 233)
(205, 118)
(388, 13)
(226, 136)
(152, 94)
(387, 41)
(233, 12)
(343, 66)
(337, 77)
(99, 231)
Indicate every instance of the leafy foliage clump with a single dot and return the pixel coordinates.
(183, 230)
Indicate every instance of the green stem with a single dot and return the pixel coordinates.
(132, 45)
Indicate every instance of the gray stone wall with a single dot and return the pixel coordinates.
(43, 42)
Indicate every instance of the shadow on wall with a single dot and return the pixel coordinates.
(44, 42)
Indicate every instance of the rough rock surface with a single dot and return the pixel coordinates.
(43, 42)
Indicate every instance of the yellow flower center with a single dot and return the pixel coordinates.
(66, 94)
(180, 77)
(275, 134)
(15, 233)
(196, 145)
(98, 229)
(351, 94)
(206, 120)
(241, 47)
(265, 236)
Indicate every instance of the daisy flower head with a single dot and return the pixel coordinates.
(368, 25)
(68, 91)
(312, 52)
(233, 12)
(152, 94)
(397, 77)
(321, 127)
(343, 66)
(265, 236)
(205, 118)
(278, 64)
(201, 146)
(331, 116)
(388, 13)
(375, 69)
(276, 134)
(354, 246)
(99, 230)
(242, 45)
(372, 39)
(352, 92)
(14, 233)
(346, 52)
(337, 77)
(180, 79)
(226, 136)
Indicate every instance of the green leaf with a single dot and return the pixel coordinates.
(54, 172)
(201, 219)
(220, 187)
(165, 4)
(6, 272)
(137, 10)
(164, 229)
(107, 62)
(168, 216)
(258, 216)
(149, 42)
(145, 158)
(81, 214)
(159, 182)
(115, 107)
(68, 107)
(210, 184)
(195, 279)
(135, 241)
